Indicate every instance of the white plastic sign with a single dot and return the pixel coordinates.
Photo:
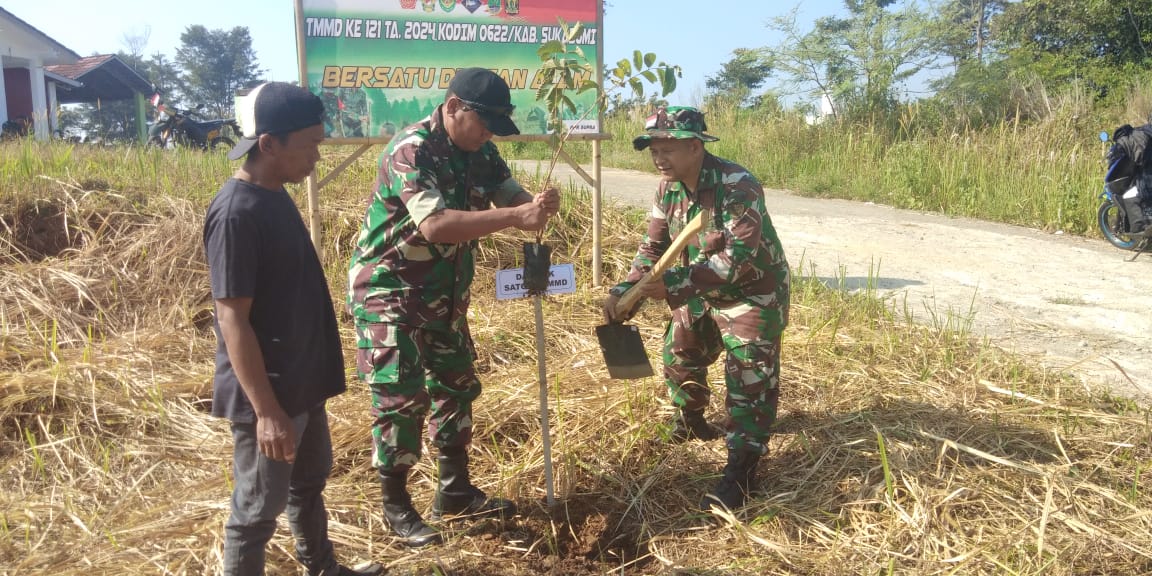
(510, 283)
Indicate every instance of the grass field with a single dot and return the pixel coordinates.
(904, 447)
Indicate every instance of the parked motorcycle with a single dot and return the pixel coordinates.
(1122, 218)
(177, 128)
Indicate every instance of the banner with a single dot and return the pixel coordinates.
(380, 65)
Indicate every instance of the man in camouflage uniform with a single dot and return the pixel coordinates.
(729, 293)
(409, 283)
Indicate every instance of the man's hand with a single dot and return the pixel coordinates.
(550, 198)
(654, 289)
(610, 315)
(534, 215)
(610, 309)
(276, 436)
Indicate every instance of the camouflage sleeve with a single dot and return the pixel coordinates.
(507, 193)
(414, 181)
(728, 255)
(656, 241)
(504, 188)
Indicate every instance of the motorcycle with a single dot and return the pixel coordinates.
(178, 128)
(1122, 219)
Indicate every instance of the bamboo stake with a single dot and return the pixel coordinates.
(543, 373)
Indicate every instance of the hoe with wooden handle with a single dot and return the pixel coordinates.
(621, 344)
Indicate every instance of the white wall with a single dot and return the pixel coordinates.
(20, 48)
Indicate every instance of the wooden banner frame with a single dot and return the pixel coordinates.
(594, 180)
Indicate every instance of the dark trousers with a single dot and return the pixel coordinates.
(264, 488)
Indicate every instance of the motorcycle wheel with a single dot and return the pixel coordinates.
(221, 142)
(1108, 217)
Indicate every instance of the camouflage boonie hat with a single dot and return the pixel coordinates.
(674, 122)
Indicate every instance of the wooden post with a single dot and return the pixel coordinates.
(314, 223)
(596, 212)
(141, 119)
(597, 188)
(542, 370)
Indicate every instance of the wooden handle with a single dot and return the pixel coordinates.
(629, 299)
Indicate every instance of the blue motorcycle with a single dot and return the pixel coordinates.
(1122, 219)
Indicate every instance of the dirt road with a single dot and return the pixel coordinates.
(1070, 303)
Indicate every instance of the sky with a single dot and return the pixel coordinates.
(698, 35)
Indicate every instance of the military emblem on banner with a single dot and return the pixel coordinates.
(408, 4)
(494, 6)
(472, 5)
(429, 5)
(447, 5)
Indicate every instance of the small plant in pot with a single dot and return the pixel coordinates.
(565, 71)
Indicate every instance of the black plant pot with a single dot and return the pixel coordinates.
(537, 266)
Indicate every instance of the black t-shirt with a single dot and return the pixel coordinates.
(258, 247)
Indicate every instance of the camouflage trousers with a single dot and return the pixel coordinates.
(751, 376)
(411, 372)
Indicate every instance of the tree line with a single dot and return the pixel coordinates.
(988, 60)
(210, 66)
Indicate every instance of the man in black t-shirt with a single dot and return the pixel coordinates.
(279, 355)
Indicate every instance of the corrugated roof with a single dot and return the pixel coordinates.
(84, 66)
(104, 77)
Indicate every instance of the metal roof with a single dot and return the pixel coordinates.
(102, 77)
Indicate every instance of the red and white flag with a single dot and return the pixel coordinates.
(155, 99)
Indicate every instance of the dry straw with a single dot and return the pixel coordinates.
(900, 449)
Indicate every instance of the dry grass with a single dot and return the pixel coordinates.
(901, 448)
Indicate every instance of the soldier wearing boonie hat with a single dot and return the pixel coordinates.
(729, 294)
(441, 186)
(676, 122)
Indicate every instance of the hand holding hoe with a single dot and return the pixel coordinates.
(623, 349)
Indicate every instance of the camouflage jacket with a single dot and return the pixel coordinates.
(736, 265)
(397, 276)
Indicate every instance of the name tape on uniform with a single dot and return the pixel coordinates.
(510, 283)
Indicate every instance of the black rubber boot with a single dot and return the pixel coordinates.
(456, 496)
(691, 425)
(732, 490)
(404, 521)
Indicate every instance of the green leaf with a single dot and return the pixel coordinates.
(637, 87)
(587, 85)
(625, 66)
(575, 32)
(668, 85)
(649, 60)
(638, 59)
(549, 49)
(649, 76)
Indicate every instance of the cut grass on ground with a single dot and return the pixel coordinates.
(901, 448)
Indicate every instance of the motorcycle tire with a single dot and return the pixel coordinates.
(221, 143)
(1109, 219)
